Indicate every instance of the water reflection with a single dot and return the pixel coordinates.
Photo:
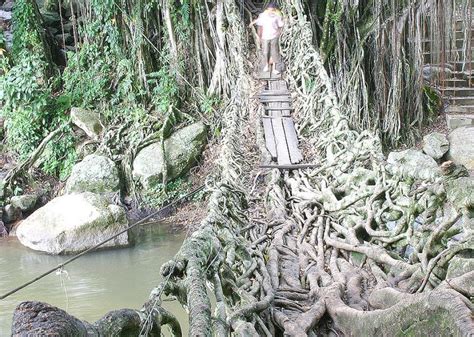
(94, 284)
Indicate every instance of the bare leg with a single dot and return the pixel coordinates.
(275, 54)
(266, 48)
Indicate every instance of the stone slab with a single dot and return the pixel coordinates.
(455, 121)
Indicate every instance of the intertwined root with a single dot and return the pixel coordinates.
(342, 240)
(340, 249)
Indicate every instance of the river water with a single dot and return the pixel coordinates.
(92, 285)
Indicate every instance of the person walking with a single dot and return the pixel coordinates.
(271, 24)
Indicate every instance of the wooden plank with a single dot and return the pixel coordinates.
(273, 93)
(277, 85)
(289, 167)
(268, 76)
(285, 97)
(279, 108)
(269, 79)
(269, 90)
(272, 113)
(269, 137)
(276, 100)
(283, 156)
(276, 76)
(287, 111)
(292, 140)
(268, 99)
(264, 74)
(282, 117)
(282, 85)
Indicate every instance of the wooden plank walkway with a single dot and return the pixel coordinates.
(269, 137)
(280, 134)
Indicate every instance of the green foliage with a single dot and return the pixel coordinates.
(4, 59)
(332, 22)
(160, 196)
(208, 103)
(61, 155)
(104, 72)
(32, 111)
(88, 87)
(27, 28)
(129, 90)
(432, 102)
(181, 16)
(121, 69)
(26, 101)
(28, 95)
(165, 89)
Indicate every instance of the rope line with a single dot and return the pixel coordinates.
(61, 265)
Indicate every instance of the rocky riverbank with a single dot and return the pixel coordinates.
(96, 182)
(87, 210)
(93, 203)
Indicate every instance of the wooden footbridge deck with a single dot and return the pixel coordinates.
(280, 134)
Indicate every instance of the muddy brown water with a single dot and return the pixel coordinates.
(92, 285)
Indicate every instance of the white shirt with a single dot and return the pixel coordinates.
(271, 23)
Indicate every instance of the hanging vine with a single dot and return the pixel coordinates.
(351, 247)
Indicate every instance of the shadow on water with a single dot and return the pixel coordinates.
(92, 285)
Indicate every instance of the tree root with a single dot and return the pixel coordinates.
(341, 250)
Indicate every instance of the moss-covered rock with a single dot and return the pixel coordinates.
(88, 121)
(413, 164)
(435, 145)
(460, 192)
(74, 223)
(182, 150)
(11, 214)
(25, 202)
(96, 174)
(41, 319)
(459, 266)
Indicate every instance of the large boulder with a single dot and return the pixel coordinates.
(435, 145)
(41, 319)
(88, 121)
(414, 164)
(182, 149)
(96, 174)
(462, 146)
(74, 223)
